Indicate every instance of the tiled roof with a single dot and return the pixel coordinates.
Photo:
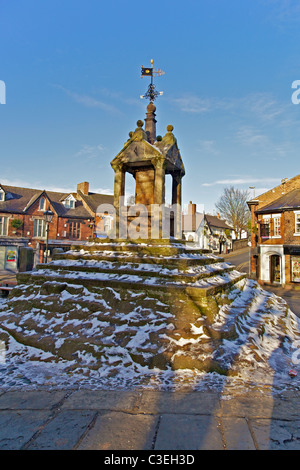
(18, 200)
(288, 201)
(214, 221)
(94, 200)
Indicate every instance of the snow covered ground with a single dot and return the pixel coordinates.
(262, 345)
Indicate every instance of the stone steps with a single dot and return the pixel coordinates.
(180, 261)
(142, 247)
(170, 266)
(159, 315)
(141, 269)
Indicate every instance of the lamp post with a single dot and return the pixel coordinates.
(253, 187)
(48, 215)
(250, 242)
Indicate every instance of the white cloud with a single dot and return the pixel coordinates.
(192, 103)
(262, 106)
(243, 181)
(89, 151)
(207, 147)
(103, 191)
(249, 136)
(54, 188)
(89, 101)
(35, 185)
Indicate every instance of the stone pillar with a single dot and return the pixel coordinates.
(150, 123)
(176, 188)
(159, 182)
(159, 192)
(119, 191)
(176, 203)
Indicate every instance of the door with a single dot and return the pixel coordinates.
(275, 269)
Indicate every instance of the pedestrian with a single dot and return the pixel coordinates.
(221, 242)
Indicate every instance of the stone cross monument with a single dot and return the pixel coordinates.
(149, 158)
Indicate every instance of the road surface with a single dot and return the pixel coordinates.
(240, 259)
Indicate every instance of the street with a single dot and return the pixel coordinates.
(240, 259)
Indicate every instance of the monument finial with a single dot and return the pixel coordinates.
(151, 93)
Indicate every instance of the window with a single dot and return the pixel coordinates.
(3, 226)
(295, 267)
(297, 223)
(42, 204)
(2, 195)
(69, 203)
(39, 228)
(74, 229)
(276, 226)
(265, 228)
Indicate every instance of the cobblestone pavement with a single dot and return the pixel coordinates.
(148, 420)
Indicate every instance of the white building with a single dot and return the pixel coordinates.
(209, 232)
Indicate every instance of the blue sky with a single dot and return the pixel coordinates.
(73, 86)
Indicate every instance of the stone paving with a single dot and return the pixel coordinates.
(148, 420)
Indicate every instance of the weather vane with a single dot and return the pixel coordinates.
(151, 93)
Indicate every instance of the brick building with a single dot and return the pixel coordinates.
(275, 234)
(22, 223)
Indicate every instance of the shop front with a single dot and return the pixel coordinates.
(295, 268)
(272, 264)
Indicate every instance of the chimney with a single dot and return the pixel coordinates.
(192, 209)
(83, 187)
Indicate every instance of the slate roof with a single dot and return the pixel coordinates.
(214, 221)
(289, 201)
(18, 200)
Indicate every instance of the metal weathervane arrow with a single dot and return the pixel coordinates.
(151, 93)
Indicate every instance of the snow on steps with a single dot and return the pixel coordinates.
(96, 318)
(168, 266)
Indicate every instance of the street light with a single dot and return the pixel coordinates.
(48, 216)
(250, 242)
(253, 187)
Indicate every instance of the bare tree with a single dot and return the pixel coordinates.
(232, 207)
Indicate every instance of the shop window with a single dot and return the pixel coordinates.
(295, 268)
